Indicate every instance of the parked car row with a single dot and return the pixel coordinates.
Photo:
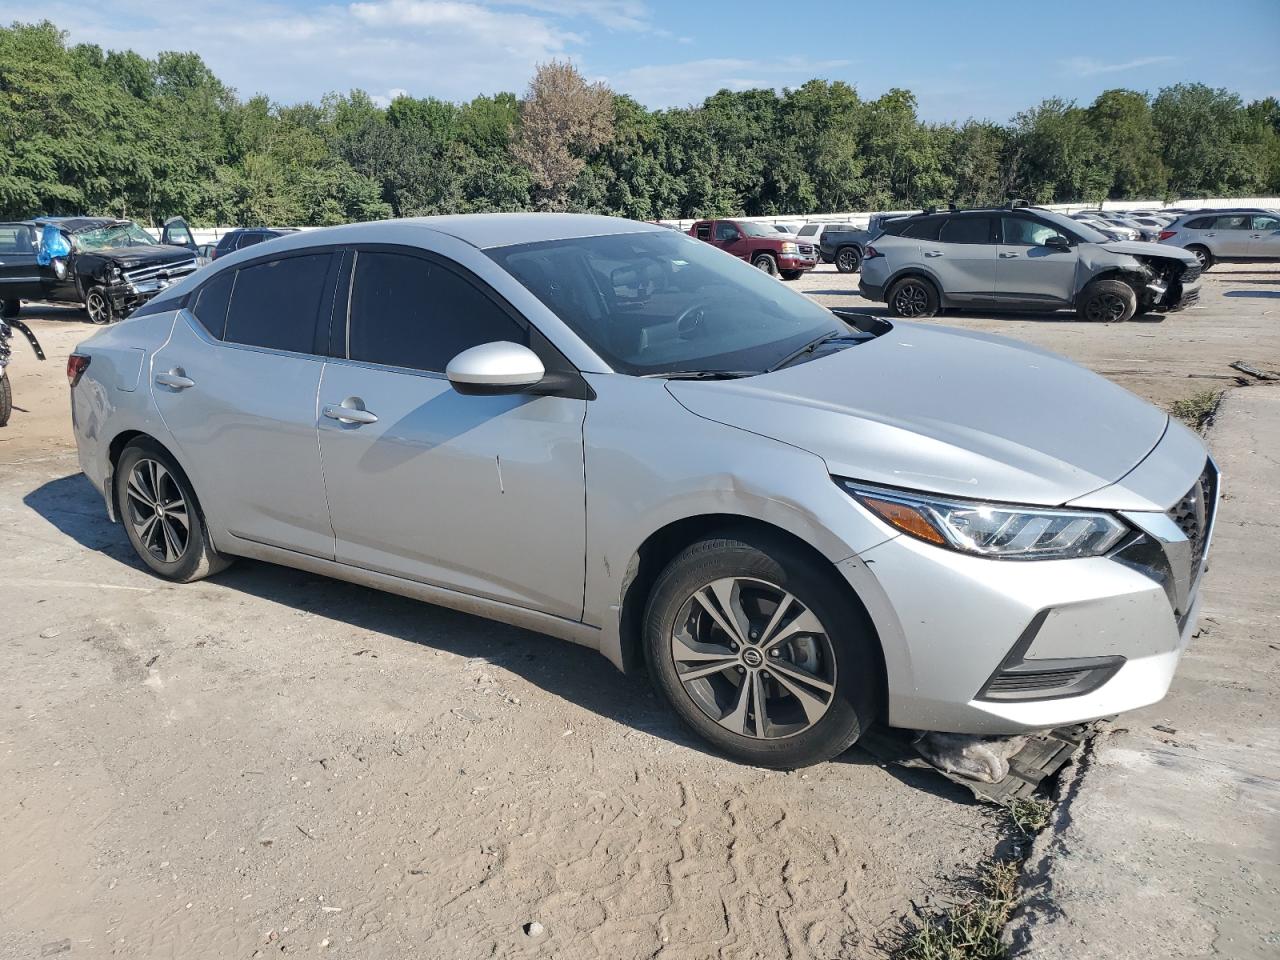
(109, 266)
(778, 254)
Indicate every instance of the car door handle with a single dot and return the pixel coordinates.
(1009, 256)
(348, 412)
(175, 378)
(933, 253)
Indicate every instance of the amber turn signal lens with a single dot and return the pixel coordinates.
(905, 518)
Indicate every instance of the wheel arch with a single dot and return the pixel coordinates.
(920, 272)
(661, 547)
(1133, 276)
(116, 448)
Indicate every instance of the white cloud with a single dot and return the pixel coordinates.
(679, 84)
(614, 14)
(1089, 67)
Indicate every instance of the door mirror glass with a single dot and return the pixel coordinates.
(1057, 242)
(495, 368)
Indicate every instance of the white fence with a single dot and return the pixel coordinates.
(862, 217)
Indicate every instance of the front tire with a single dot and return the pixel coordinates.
(848, 259)
(10, 308)
(766, 262)
(1108, 301)
(792, 274)
(162, 516)
(98, 305)
(762, 652)
(913, 298)
(1203, 255)
(6, 398)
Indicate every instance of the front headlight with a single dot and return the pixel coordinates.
(999, 531)
(116, 272)
(789, 247)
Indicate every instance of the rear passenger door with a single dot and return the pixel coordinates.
(236, 386)
(1264, 238)
(964, 258)
(21, 278)
(480, 494)
(1230, 235)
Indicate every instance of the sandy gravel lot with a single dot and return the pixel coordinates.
(271, 762)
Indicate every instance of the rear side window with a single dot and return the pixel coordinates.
(227, 241)
(249, 239)
(966, 230)
(212, 301)
(17, 238)
(1200, 223)
(926, 228)
(275, 303)
(1234, 222)
(411, 312)
(893, 227)
(704, 231)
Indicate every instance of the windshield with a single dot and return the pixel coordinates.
(1073, 228)
(113, 235)
(756, 229)
(662, 302)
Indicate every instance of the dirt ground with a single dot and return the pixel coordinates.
(274, 762)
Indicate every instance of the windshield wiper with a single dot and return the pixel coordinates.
(809, 348)
(700, 374)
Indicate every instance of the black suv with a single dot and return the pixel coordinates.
(111, 266)
(247, 237)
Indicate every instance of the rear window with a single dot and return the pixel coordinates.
(808, 230)
(276, 303)
(966, 230)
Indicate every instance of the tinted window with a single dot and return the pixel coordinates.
(1020, 231)
(808, 230)
(926, 228)
(1236, 221)
(227, 241)
(410, 312)
(966, 230)
(211, 303)
(1200, 223)
(704, 231)
(249, 239)
(17, 238)
(726, 231)
(275, 303)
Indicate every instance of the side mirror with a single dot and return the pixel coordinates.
(495, 368)
(1058, 242)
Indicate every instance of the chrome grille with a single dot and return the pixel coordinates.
(162, 271)
(1194, 515)
(806, 249)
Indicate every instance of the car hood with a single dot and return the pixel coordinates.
(946, 411)
(1141, 248)
(130, 257)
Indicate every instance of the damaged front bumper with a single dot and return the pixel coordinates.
(130, 289)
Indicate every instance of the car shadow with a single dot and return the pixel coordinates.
(1262, 294)
(573, 673)
(61, 313)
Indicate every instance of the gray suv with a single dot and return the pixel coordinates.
(1239, 235)
(1022, 258)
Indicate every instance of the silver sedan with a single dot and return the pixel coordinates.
(800, 521)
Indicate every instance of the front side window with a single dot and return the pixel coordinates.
(726, 232)
(113, 235)
(275, 304)
(966, 230)
(660, 302)
(1266, 223)
(1020, 231)
(410, 312)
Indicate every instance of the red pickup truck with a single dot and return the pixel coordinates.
(760, 245)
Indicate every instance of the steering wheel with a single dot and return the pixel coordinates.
(689, 322)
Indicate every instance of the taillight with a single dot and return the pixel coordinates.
(1166, 234)
(77, 364)
(213, 254)
(871, 253)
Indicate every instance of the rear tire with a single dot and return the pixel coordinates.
(848, 259)
(10, 308)
(767, 263)
(98, 305)
(1203, 255)
(792, 274)
(913, 298)
(820, 687)
(6, 398)
(1108, 301)
(162, 516)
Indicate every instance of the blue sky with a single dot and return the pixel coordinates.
(977, 59)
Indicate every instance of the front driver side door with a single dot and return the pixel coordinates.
(1264, 239)
(1028, 271)
(730, 239)
(480, 494)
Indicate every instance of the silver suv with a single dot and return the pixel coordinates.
(1239, 235)
(800, 522)
(1022, 258)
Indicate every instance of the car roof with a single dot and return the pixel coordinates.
(482, 230)
(76, 224)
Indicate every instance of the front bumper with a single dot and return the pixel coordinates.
(982, 646)
(788, 261)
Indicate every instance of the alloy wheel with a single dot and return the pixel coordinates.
(754, 658)
(847, 261)
(1106, 308)
(158, 511)
(911, 300)
(768, 266)
(95, 304)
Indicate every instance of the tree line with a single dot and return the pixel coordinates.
(83, 130)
